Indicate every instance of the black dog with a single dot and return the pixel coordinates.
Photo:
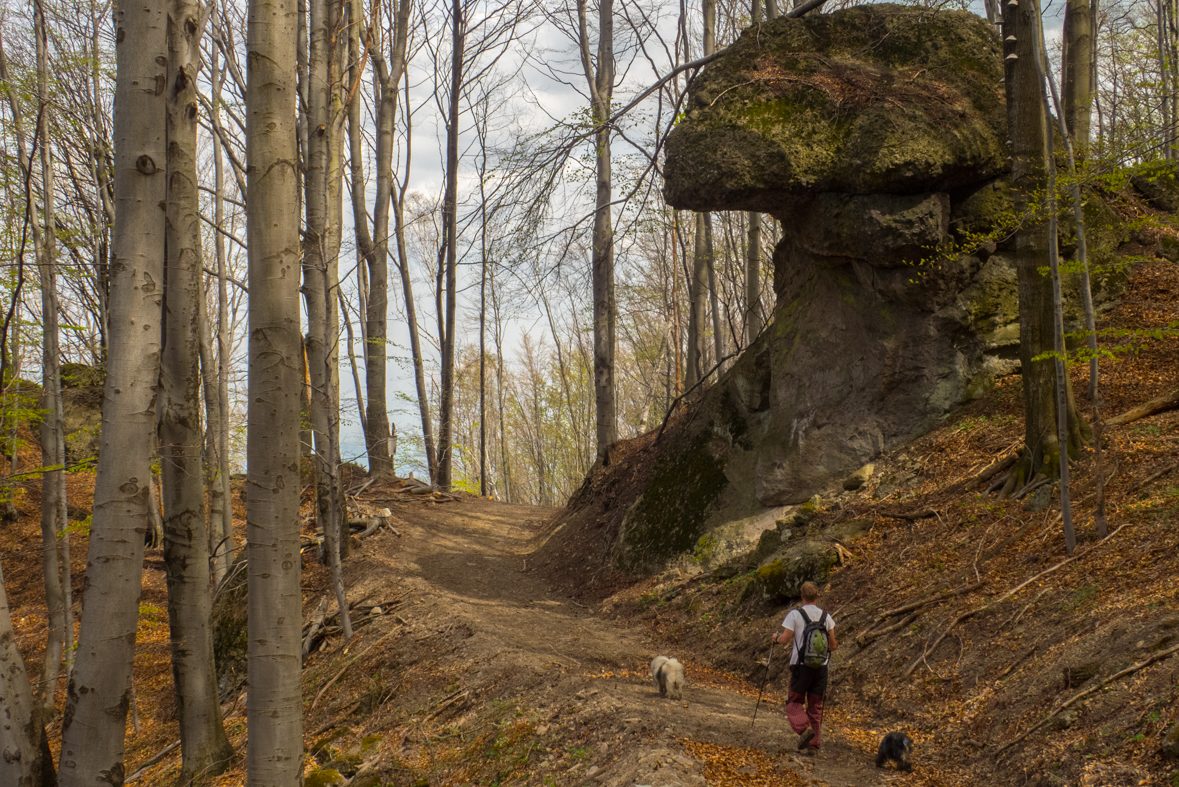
(898, 747)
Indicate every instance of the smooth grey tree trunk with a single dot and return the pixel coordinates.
(274, 704)
(53, 501)
(1077, 72)
(23, 747)
(228, 548)
(411, 313)
(599, 73)
(754, 319)
(697, 305)
(100, 687)
(449, 274)
(1031, 243)
(205, 749)
(1059, 359)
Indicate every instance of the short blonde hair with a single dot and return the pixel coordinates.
(810, 591)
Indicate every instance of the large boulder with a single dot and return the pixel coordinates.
(874, 99)
(876, 136)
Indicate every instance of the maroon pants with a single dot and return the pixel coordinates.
(804, 702)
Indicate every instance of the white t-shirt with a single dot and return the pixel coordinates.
(795, 623)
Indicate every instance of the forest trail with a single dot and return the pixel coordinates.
(567, 692)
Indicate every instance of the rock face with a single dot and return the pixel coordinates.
(876, 136)
(877, 99)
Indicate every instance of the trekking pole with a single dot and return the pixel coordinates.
(764, 681)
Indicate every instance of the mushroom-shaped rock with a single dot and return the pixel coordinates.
(871, 100)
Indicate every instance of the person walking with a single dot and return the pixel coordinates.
(810, 632)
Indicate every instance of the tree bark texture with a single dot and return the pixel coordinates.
(697, 303)
(274, 704)
(53, 500)
(228, 548)
(205, 750)
(23, 747)
(1028, 135)
(754, 320)
(100, 687)
(321, 244)
(373, 249)
(1077, 70)
(450, 218)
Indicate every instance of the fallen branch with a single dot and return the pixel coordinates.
(1160, 405)
(929, 651)
(994, 468)
(870, 636)
(344, 669)
(316, 626)
(927, 513)
(1116, 676)
(1061, 564)
(931, 600)
(1019, 660)
(1152, 477)
(446, 703)
(171, 747)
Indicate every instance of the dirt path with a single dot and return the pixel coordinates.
(566, 691)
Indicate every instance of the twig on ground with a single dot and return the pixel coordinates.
(446, 703)
(931, 600)
(344, 669)
(1152, 477)
(1018, 660)
(161, 754)
(1061, 564)
(871, 635)
(929, 651)
(1116, 676)
(1159, 405)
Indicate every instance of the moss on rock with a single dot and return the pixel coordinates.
(668, 519)
(781, 576)
(871, 99)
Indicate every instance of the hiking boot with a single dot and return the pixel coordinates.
(805, 738)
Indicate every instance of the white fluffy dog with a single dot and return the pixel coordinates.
(669, 676)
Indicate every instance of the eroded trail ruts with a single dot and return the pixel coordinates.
(580, 680)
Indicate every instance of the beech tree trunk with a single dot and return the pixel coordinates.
(449, 274)
(697, 304)
(100, 688)
(24, 751)
(754, 319)
(228, 549)
(1077, 72)
(1037, 328)
(274, 705)
(53, 501)
(599, 73)
(205, 750)
(411, 320)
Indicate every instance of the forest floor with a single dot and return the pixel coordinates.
(507, 651)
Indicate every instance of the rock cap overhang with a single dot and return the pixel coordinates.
(875, 99)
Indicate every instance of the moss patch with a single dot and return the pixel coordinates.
(669, 518)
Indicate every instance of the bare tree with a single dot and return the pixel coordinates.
(26, 761)
(272, 452)
(204, 746)
(100, 689)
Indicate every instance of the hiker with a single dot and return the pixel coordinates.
(811, 634)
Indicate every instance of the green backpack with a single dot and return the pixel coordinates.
(814, 650)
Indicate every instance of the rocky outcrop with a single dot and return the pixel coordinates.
(876, 99)
(876, 136)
